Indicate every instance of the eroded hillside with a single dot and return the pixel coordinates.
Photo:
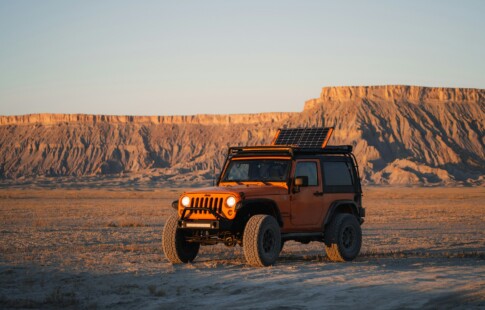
(401, 135)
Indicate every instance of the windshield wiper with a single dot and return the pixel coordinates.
(234, 181)
(262, 181)
(240, 182)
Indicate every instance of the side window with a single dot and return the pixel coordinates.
(308, 169)
(337, 173)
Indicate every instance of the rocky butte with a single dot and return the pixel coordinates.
(401, 135)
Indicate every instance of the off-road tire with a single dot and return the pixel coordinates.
(343, 238)
(175, 247)
(262, 240)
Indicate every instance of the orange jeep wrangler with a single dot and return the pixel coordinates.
(297, 189)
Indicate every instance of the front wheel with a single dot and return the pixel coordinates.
(175, 246)
(262, 240)
(343, 238)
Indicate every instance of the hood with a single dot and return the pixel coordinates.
(249, 190)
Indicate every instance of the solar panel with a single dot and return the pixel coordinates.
(303, 137)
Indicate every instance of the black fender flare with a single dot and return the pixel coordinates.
(260, 206)
(342, 206)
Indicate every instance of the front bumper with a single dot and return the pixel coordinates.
(213, 225)
(201, 224)
(220, 223)
(188, 211)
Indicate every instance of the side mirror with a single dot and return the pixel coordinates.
(300, 181)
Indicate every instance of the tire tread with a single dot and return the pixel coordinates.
(251, 239)
(332, 248)
(173, 245)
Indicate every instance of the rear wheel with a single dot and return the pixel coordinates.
(343, 238)
(175, 246)
(262, 240)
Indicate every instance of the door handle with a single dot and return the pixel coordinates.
(318, 193)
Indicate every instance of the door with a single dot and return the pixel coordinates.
(306, 205)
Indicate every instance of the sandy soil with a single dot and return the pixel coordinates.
(423, 248)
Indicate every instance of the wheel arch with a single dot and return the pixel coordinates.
(249, 207)
(342, 206)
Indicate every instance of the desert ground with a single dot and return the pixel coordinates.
(101, 248)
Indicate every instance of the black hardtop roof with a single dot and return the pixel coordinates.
(288, 150)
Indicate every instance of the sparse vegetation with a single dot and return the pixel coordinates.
(59, 298)
(126, 223)
(154, 291)
(75, 260)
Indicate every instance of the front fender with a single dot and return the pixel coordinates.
(259, 206)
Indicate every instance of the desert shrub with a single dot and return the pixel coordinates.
(154, 292)
(61, 299)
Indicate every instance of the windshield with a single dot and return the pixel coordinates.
(266, 170)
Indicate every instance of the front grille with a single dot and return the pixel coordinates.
(213, 203)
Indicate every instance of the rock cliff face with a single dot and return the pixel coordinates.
(401, 135)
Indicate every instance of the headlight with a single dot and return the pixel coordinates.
(231, 202)
(186, 201)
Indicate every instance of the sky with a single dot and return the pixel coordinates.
(220, 57)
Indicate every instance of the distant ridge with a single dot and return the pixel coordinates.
(413, 94)
(49, 119)
(401, 134)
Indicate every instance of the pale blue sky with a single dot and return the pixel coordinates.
(189, 57)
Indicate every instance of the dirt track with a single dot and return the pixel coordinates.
(423, 248)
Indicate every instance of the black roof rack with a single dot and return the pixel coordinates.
(329, 149)
(261, 150)
(293, 141)
(288, 150)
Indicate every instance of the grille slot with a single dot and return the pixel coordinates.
(220, 205)
(213, 203)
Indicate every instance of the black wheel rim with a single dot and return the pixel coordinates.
(268, 241)
(348, 237)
